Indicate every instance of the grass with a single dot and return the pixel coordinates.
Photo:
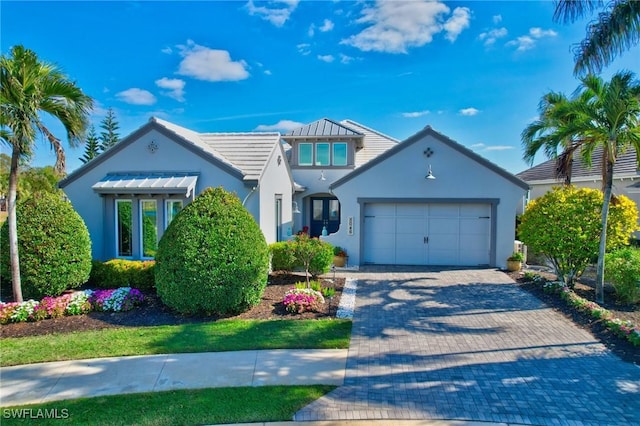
(180, 407)
(219, 336)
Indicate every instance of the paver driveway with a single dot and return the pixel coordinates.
(470, 345)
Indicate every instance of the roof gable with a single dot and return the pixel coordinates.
(375, 143)
(626, 165)
(428, 131)
(241, 154)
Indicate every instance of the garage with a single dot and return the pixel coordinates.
(457, 234)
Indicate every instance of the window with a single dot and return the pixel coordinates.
(149, 227)
(172, 207)
(322, 154)
(340, 154)
(124, 225)
(305, 155)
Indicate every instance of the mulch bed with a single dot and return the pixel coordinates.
(585, 289)
(153, 312)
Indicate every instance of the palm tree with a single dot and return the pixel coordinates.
(601, 114)
(29, 89)
(615, 30)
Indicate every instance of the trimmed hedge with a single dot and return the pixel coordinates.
(53, 245)
(123, 273)
(283, 257)
(213, 258)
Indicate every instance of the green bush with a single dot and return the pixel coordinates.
(213, 258)
(622, 270)
(53, 245)
(283, 257)
(123, 273)
(565, 223)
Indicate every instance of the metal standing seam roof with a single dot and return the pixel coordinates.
(375, 143)
(626, 165)
(247, 152)
(164, 183)
(323, 128)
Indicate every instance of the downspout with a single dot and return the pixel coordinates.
(249, 194)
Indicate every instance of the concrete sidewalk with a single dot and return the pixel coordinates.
(35, 383)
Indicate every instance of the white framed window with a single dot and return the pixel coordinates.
(339, 157)
(323, 154)
(305, 154)
(148, 227)
(171, 209)
(124, 228)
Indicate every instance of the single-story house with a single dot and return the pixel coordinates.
(626, 176)
(426, 200)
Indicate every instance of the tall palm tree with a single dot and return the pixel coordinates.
(29, 90)
(602, 114)
(615, 30)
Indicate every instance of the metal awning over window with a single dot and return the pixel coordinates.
(148, 183)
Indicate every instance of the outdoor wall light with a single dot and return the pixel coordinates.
(322, 175)
(295, 208)
(430, 175)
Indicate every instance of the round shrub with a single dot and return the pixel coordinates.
(53, 245)
(213, 258)
(622, 269)
(123, 273)
(283, 257)
(565, 224)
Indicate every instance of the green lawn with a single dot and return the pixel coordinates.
(219, 336)
(183, 407)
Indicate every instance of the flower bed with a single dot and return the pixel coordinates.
(77, 303)
(299, 300)
(624, 329)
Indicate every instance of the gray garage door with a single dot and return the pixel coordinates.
(427, 234)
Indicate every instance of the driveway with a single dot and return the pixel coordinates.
(468, 344)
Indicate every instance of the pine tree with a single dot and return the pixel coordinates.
(109, 137)
(92, 146)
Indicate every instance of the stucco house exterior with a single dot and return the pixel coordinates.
(626, 176)
(426, 200)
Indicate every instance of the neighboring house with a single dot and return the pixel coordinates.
(626, 176)
(424, 201)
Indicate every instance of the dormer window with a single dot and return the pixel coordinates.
(323, 154)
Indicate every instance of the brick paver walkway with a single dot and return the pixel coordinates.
(470, 345)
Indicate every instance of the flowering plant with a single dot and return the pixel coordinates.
(115, 300)
(299, 300)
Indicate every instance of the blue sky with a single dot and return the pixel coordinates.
(473, 70)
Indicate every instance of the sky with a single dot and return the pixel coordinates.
(473, 70)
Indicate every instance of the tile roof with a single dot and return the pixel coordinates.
(375, 143)
(246, 152)
(626, 165)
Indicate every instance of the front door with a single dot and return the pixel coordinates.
(325, 213)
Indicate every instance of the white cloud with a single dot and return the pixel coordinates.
(167, 50)
(275, 11)
(207, 64)
(326, 58)
(498, 148)
(346, 59)
(136, 96)
(491, 36)
(469, 111)
(527, 42)
(304, 49)
(496, 19)
(479, 145)
(268, 72)
(174, 87)
(312, 30)
(415, 114)
(457, 23)
(327, 25)
(393, 27)
(282, 125)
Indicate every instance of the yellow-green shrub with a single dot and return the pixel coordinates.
(123, 273)
(565, 224)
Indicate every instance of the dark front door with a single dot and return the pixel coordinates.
(325, 212)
